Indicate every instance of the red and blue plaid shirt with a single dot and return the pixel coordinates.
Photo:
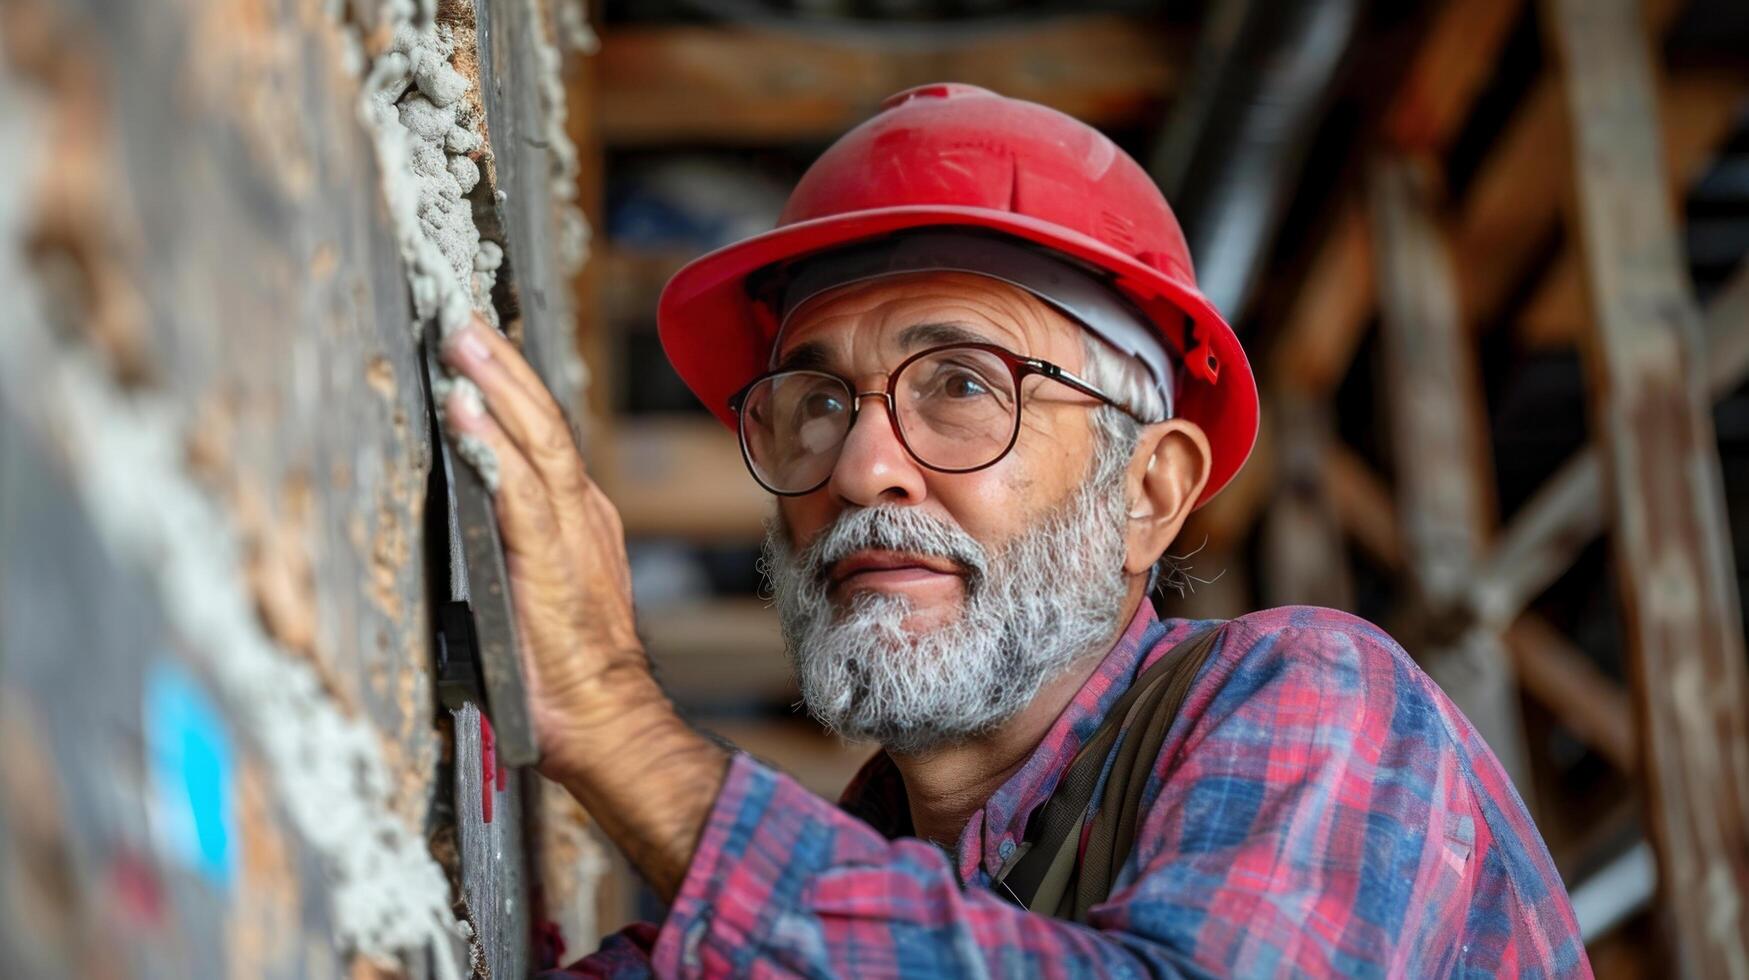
(1319, 807)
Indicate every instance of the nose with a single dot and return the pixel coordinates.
(873, 466)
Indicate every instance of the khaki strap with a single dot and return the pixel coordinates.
(1044, 874)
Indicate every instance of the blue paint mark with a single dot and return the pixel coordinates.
(192, 770)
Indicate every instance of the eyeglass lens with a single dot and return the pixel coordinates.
(956, 409)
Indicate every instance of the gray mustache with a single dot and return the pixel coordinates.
(895, 529)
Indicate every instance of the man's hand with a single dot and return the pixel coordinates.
(604, 729)
(564, 545)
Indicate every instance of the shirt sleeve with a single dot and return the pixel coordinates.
(785, 882)
(625, 955)
(1331, 812)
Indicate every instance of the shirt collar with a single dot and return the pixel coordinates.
(877, 793)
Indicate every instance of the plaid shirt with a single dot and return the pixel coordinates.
(1319, 807)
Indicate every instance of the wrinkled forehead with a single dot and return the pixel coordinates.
(901, 312)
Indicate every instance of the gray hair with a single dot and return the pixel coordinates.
(1115, 433)
(1128, 382)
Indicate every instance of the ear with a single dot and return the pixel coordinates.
(1168, 470)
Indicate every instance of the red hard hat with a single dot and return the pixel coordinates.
(959, 155)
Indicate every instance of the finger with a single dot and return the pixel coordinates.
(498, 347)
(531, 420)
(524, 509)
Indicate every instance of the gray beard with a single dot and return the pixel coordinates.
(1045, 598)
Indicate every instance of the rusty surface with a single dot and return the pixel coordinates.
(1649, 401)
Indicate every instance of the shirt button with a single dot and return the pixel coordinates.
(1006, 849)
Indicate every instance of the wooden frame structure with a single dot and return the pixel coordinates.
(1562, 234)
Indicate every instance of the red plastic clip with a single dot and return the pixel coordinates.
(1199, 357)
(488, 768)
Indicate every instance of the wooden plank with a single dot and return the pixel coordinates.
(1568, 511)
(1304, 560)
(1455, 61)
(1677, 580)
(681, 476)
(1336, 300)
(1324, 325)
(1699, 107)
(1364, 507)
(1597, 710)
(1516, 194)
(1515, 200)
(719, 653)
(742, 85)
(1439, 433)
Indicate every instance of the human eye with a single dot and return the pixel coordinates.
(961, 380)
(961, 383)
(814, 397)
(820, 403)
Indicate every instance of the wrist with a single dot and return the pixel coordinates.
(600, 719)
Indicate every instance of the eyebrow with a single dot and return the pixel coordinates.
(812, 355)
(936, 334)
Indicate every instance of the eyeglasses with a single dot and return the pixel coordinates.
(956, 409)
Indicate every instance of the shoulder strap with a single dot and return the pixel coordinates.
(1068, 860)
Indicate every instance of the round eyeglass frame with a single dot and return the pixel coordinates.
(1019, 368)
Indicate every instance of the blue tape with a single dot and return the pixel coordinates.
(193, 774)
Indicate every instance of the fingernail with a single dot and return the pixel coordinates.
(472, 347)
(467, 344)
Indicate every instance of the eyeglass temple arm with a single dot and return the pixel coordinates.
(1058, 374)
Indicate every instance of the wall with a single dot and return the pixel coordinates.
(221, 749)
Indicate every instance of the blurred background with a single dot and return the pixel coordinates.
(1388, 201)
(1488, 258)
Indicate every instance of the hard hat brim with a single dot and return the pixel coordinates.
(717, 337)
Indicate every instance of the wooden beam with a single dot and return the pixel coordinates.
(1330, 312)
(1439, 432)
(1678, 583)
(1549, 667)
(1364, 507)
(1336, 299)
(718, 653)
(1568, 511)
(1305, 562)
(1454, 63)
(1699, 108)
(1596, 709)
(1514, 203)
(681, 476)
(738, 85)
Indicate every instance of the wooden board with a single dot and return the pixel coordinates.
(682, 476)
(1304, 558)
(719, 653)
(1698, 108)
(1677, 581)
(1439, 430)
(746, 86)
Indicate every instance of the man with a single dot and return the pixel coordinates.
(972, 365)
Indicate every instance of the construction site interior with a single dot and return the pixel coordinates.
(1489, 259)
